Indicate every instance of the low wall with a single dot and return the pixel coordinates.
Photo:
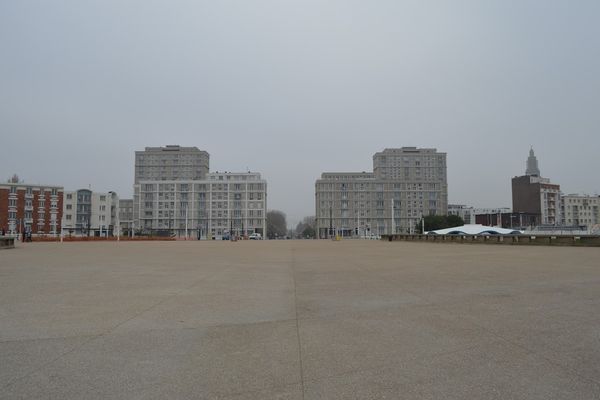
(545, 240)
(98, 239)
(7, 243)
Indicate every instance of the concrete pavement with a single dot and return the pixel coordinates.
(298, 320)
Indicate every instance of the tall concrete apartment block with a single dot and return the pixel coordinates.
(174, 163)
(210, 208)
(87, 213)
(30, 208)
(160, 164)
(533, 194)
(406, 184)
(174, 194)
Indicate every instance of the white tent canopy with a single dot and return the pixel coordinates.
(475, 229)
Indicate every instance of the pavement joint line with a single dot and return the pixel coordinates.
(106, 332)
(46, 338)
(292, 264)
(217, 326)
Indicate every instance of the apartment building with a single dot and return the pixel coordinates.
(406, 184)
(87, 213)
(30, 208)
(171, 162)
(580, 210)
(224, 202)
(533, 194)
(469, 214)
(174, 194)
(126, 216)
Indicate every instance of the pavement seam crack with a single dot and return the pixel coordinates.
(292, 264)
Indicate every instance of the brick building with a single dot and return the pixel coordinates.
(30, 208)
(532, 194)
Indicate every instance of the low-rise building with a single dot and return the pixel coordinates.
(30, 208)
(508, 220)
(126, 216)
(469, 214)
(580, 210)
(87, 213)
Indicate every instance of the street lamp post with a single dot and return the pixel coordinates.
(330, 220)
(393, 220)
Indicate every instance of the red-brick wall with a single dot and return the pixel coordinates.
(20, 207)
(4, 209)
(37, 194)
(60, 211)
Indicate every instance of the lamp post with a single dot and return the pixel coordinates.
(330, 220)
(393, 220)
(186, 221)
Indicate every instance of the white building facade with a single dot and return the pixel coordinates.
(126, 216)
(580, 210)
(223, 203)
(87, 213)
(406, 184)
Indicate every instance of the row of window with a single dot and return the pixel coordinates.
(29, 190)
(369, 187)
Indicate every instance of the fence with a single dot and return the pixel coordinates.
(545, 240)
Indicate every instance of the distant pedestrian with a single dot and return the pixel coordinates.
(3, 232)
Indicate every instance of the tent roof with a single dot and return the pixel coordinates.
(475, 229)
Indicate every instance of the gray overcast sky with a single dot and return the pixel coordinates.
(295, 88)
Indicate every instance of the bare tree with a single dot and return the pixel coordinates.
(276, 224)
(306, 228)
(14, 179)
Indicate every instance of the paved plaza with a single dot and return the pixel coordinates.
(298, 320)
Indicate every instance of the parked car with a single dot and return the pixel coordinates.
(255, 236)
